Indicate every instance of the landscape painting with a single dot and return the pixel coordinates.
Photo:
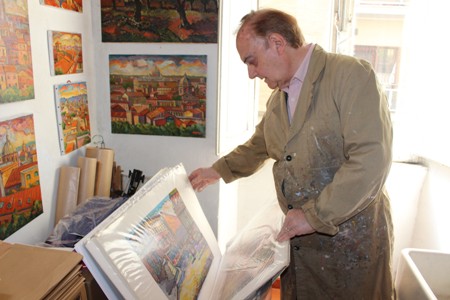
(72, 113)
(169, 21)
(75, 5)
(66, 52)
(20, 192)
(158, 94)
(16, 70)
(173, 249)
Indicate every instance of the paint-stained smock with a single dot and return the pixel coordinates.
(331, 162)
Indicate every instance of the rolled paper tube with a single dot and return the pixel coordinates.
(91, 152)
(69, 178)
(105, 161)
(88, 168)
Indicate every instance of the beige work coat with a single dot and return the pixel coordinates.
(332, 162)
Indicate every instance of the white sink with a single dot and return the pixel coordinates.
(423, 274)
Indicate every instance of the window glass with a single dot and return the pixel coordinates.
(405, 42)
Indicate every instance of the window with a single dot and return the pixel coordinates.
(405, 40)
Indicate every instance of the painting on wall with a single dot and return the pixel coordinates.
(66, 52)
(182, 21)
(20, 192)
(75, 5)
(72, 113)
(158, 94)
(16, 69)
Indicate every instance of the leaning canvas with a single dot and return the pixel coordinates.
(159, 245)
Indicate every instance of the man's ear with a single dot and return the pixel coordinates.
(278, 41)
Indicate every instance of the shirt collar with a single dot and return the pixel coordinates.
(300, 74)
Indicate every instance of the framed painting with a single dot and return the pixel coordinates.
(73, 5)
(20, 192)
(16, 69)
(182, 21)
(72, 113)
(158, 94)
(158, 245)
(66, 52)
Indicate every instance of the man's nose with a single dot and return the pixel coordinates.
(252, 73)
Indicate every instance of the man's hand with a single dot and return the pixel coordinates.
(295, 224)
(203, 177)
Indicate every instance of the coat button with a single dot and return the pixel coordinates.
(288, 158)
(290, 206)
(296, 248)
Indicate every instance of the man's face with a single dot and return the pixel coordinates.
(262, 59)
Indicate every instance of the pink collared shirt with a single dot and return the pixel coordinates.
(295, 85)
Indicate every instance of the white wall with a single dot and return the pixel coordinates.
(432, 220)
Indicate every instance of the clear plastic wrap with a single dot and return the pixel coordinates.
(159, 245)
(74, 226)
(253, 257)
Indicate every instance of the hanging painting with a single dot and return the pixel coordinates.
(72, 113)
(181, 21)
(66, 52)
(16, 70)
(158, 94)
(75, 5)
(20, 192)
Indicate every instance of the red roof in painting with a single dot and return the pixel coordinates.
(14, 178)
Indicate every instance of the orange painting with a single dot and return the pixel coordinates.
(73, 116)
(16, 70)
(75, 5)
(20, 192)
(66, 52)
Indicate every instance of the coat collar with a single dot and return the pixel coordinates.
(315, 69)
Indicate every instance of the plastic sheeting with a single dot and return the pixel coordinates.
(159, 245)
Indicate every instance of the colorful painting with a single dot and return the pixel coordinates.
(181, 21)
(66, 52)
(72, 112)
(20, 192)
(173, 249)
(158, 94)
(16, 70)
(75, 5)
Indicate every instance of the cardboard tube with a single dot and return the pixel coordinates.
(69, 178)
(105, 161)
(88, 168)
(92, 152)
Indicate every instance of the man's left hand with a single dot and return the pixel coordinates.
(295, 224)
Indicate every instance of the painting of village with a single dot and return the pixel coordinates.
(20, 192)
(173, 249)
(66, 52)
(158, 94)
(75, 5)
(72, 113)
(178, 21)
(16, 70)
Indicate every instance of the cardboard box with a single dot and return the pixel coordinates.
(31, 272)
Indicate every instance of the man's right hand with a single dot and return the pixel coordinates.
(203, 177)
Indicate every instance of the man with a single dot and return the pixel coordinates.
(328, 128)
